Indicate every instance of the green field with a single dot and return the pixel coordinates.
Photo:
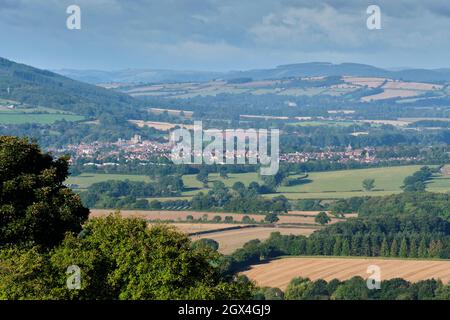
(17, 118)
(84, 180)
(40, 115)
(190, 181)
(348, 183)
(439, 184)
(333, 184)
(323, 185)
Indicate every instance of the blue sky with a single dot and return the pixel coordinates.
(223, 35)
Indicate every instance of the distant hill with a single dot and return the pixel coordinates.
(138, 76)
(292, 70)
(25, 84)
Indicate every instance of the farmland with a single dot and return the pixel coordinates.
(84, 180)
(230, 236)
(174, 216)
(190, 228)
(164, 126)
(322, 185)
(287, 87)
(37, 115)
(392, 88)
(230, 240)
(278, 273)
(334, 184)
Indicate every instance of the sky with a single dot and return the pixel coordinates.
(223, 35)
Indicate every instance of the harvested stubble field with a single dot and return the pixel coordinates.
(231, 240)
(392, 93)
(190, 228)
(370, 82)
(278, 273)
(308, 213)
(182, 216)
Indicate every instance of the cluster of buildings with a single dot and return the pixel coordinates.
(366, 155)
(101, 154)
(110, 153)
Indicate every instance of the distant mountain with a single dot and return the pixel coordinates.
(315, 69)
(291, 70)
(138, 76)
(33, 86)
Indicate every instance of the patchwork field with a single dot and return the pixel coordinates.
(278, 273)
(289, 87)
(285, 87)
(391, 88)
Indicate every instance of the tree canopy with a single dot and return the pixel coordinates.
(35, 206)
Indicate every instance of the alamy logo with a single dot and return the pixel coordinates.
(74, 277)
(228, 146)
(374, 20)
(73, 22)
(374, 280)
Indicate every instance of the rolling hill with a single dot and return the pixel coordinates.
(311, 69)
(32, 86)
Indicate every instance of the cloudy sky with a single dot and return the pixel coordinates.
(224, 34)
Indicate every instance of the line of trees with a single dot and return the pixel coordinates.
(239, 199)
(417, 181)
(356, 289)
(405, 203)
(125, 194)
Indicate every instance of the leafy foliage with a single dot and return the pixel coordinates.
(35, 206)
(119, 259)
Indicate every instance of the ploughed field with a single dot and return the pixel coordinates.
(278, 273)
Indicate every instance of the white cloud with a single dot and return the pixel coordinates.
(310, 28)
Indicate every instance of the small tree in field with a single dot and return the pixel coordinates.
(271, 218)
(322, 218)
(368, 184)
(206, 243)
